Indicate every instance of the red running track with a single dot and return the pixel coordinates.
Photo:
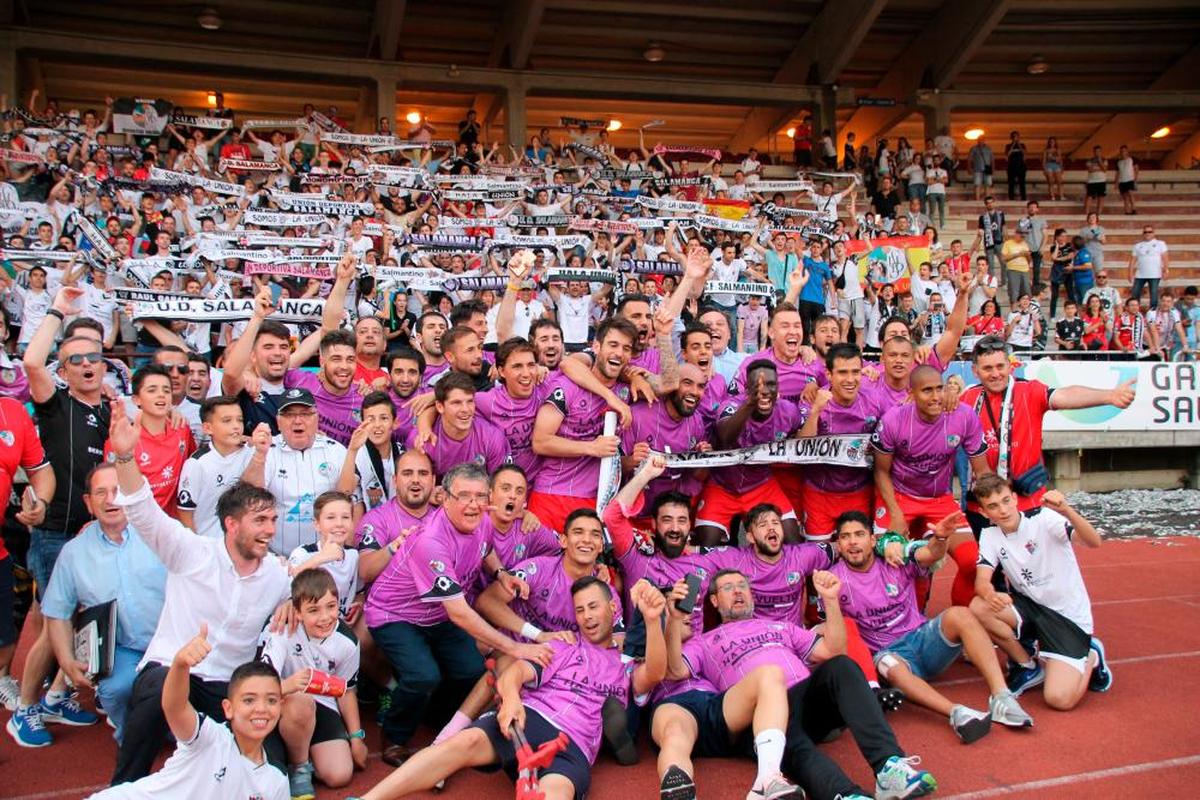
(1142, 739)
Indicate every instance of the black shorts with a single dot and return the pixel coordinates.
(1055, 634)
(1097, 189)
(713, 739)
(1125, 187)
(8, 625)
(329, 727)
(571, 763)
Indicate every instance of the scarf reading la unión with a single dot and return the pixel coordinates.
(842, 450)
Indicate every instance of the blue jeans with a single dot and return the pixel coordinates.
(1141, 283)
(44, 547)
(426, 659)
(114, 690)
(962, 469)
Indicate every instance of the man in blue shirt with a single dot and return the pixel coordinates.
(812, 296)
(106, 561)
(1083, 273)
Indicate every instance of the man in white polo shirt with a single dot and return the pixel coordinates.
(1148, 265)
(229, 584)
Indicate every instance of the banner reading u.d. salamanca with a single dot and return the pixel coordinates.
(1167, 394)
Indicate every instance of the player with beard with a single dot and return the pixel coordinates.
(471, 314)
(459, 435)
(339, 404)
(566, 695)
(265, 349)
(761, 417)
(372, 343)
(405, 367)
(843, 408)
(195, 391)
(428, 341)
(911, 650)
(1011, 411)
(568, 431)
(696, 347)
(915, 446)
(512, 404)
(464, 353)
(547, 339)
(671, 425)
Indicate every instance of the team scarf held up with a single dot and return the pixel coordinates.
(842, 450)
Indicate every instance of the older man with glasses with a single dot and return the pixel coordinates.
(419, 614)
(1110, 298)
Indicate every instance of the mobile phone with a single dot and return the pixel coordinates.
(688, 604)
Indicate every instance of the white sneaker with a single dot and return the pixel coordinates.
(778, 788)
(969, 724)
(1007, 711)
(10, 692)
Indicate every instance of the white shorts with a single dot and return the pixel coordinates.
(853, 310)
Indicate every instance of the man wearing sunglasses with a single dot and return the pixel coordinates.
(78, 416)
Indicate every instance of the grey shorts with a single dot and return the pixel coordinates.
(853, 310)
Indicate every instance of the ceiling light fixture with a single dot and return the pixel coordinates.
(1161, 133)
(212, 99)
(209, 19)
(614, 125)
(1037, 65)
(791, 133)
(654, 53)
(973, 134)
(413, 117)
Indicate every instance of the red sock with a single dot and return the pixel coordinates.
(856, 648)
(963, 588)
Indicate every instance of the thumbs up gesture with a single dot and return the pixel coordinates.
(196, 650)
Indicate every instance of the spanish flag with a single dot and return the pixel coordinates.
(727, 209)
(893, 260)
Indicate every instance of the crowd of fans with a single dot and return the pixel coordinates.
(389, 361)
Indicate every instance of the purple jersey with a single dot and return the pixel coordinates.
(433, 565)
(515, 418)
(861, 416)
(732, 650)
(382, 524)
(484, 445)
(923, 452)
(715, 396)
(516, 545)
(793, 377)
(778, 588)
(582, 415)
(405, 421)
(429, 377)
(885, 395)
(550, 605)
(655, 426)
(570, 692)
(649, 359)
(669, 688)
(784, 419)
(881, 601)
(337, 415)
(663, 571)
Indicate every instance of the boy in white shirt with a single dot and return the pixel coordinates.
(333, 518)
(213, 760)
(319, 722)
(214, 467)
(1023, 324)
(1047, 601)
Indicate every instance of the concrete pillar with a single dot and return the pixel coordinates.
(514, 116)
(1066, 472)
(385, 103)
(8, 69)
(937, 118)
(826, 119)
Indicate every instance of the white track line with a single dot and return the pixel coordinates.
(1182, 598)
(1131, 660)
(1079, 777)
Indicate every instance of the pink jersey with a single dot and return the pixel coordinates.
(793, 377)
(715, 396)
(923, 452)
(484, 445)
(571, 691)
(885, 395)
(861, 416)
(429, 377)
(433, 565)
(881, 601)
(649, 359)
(516, 545)
(550, 605)
(784, 419)
(732, 650)
(655, 426)
(778, 588)
(582, 416)
(382, 524)
(405, 421)
(337, 415)
(515, 418)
